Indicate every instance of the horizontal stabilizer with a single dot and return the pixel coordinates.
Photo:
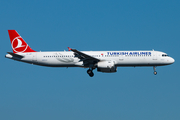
(15, 55)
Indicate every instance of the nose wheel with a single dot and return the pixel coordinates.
(155, 73)
(90, 72)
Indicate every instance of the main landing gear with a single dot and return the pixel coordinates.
(154, 67)
(90, 72)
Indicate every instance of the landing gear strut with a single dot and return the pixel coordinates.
(154, 67)
(90, 72)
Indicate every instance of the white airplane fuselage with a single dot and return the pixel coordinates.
(68, 59)
(104, 61)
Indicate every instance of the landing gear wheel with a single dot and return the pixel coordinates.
(91, 74)
(154, 67)
(155, 73)
(89, 71)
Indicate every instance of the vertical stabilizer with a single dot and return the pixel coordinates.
(17, 43)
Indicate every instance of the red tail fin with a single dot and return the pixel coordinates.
(17, 43)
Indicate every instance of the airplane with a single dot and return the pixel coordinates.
(104, 61)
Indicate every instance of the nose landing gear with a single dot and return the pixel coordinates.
(154, 67)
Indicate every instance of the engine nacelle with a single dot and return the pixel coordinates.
(106, 66)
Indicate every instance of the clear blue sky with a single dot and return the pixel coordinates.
(29, 92)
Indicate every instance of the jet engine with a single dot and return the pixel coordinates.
(106, 66)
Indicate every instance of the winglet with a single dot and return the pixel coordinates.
(69, 49)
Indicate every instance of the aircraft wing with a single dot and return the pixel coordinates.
(87, 59)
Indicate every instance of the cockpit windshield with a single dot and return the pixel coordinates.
(165, 55)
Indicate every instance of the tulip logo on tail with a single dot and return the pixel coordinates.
(19, 45)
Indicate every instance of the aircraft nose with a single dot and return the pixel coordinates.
(172, 60)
